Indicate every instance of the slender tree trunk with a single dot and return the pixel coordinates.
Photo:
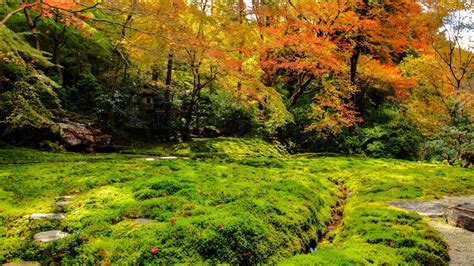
(188, 119)
(363, 11)
(169, 72)
(168, 105)
(32, 27)
(354, 62)
(57, 62)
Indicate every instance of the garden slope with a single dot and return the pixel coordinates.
(242, 209)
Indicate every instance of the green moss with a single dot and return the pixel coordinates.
(218, 147)
(225, 209)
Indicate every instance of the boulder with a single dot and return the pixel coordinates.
(80, 137)
(62, 135)
(462, 216)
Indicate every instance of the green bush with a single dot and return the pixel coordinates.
(393, 136)
(82, 95)
(454, 145)
(219, 115)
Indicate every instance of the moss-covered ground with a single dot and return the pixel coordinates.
(229, 201)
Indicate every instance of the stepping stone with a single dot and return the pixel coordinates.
(462, 216)
(149, 159)
(65, 197)
(142, 221)
(48, 216)
(168, 158)
(22, 263)
(49, 236)
(62, 203)
(432, 209)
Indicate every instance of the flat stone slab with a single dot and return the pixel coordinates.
(64, 197)
(432, 208)
(49, 236)
(62, 203)
(168, 158)
(462, 216)
(47, 216)
(150, 159)
(426, 207)
(142, 221)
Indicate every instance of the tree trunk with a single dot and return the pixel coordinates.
(32, 27)
(363, 11)
(57, 63)
(354, 62)
(169, 72)
(188, 119)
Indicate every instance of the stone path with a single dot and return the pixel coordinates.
(52, 235)
(460, 241)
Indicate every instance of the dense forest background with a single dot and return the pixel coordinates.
(385, 78)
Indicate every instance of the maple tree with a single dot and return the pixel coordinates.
(342, 61)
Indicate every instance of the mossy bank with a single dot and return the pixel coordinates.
(263, 206)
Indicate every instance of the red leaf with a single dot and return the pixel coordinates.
(154, 250)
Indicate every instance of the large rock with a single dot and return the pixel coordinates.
(462, 216)
(59, 136)
(79, 137)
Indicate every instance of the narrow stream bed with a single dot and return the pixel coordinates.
(336, 213)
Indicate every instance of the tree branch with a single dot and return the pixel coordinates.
(9, 15)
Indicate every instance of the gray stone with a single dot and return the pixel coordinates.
(462, 216)
(49, 236)
(428, 208)
(64, 197)
(149, 159)
(168, 158)
(142, 221)
(62, 203)
(46, 216)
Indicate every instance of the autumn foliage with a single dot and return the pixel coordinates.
(337, 62)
